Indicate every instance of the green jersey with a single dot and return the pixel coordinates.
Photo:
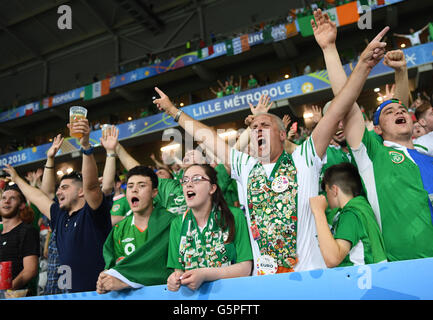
(395, 181)
(170, 196)
(192, 248)
(147, 264)
(357, 224)
(334, 155)
(127, 238)
(229, 90)
(120, 206)
(177, 175)
(227, 185)
(252, 83)
(36, 217)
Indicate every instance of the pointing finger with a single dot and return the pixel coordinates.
(381, 34)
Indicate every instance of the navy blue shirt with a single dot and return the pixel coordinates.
(80, 239)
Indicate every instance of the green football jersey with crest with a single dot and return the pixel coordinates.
(170, 196)
(394, 184)
(127, 238)
(120, 206)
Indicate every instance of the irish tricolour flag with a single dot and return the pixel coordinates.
(97, 89)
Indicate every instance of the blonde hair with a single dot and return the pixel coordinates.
(277, 119)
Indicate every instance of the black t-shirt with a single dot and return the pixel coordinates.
(20, 242)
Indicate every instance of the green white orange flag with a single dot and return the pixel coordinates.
(97, 89)
(347, 13)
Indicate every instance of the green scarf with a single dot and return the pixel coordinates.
(273, 213)
(203, 249)
(148, 264)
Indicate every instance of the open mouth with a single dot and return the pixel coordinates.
(134, 201)
(190, 195)
(400, 120)
(261, 141)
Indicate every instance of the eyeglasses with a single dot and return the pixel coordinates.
(194, 179)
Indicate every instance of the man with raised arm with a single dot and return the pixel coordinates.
(278, 185)
(81, 217)
(48, 186)
(392, 167)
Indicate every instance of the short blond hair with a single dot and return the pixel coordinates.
(277, 119)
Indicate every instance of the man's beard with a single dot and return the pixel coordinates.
(11, 215)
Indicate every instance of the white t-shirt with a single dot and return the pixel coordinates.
(424, 144)
(414, 38)
(308, 166)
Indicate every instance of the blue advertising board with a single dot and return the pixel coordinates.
(305, 84)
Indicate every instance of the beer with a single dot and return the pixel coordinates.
(104, 129)
(76, 113)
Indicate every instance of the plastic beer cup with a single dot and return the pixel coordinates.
(104, 129)
(76, 113)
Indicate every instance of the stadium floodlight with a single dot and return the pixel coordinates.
(308, 115)
(228, 133)
(169, 147)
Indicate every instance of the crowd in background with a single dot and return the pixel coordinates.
(283, 198)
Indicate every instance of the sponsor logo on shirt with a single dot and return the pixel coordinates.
(396, 157)
(179, 200)
(116, 207)
(128, 240)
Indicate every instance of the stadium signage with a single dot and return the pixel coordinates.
(415, 56)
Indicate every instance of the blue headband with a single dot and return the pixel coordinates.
(379, 109)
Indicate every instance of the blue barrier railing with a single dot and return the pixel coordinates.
(403, 280)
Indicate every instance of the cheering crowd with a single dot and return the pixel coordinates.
(262, 206)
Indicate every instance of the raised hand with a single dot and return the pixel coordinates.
(389, 94)
(55, 146)
(375, 50)
(395, 59)
(163, 102)
(318, 204)
(11, 171)
(317, 113)
(286, 120)
(325, 31)
(38, 173)
(110, 139)
(249, 119)
(263, 106)
(81, 126)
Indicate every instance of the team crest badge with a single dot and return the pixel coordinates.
(396, 157)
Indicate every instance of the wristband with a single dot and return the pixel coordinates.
(87, 152)
(176, 118)
(48, 167)
(111, 155)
